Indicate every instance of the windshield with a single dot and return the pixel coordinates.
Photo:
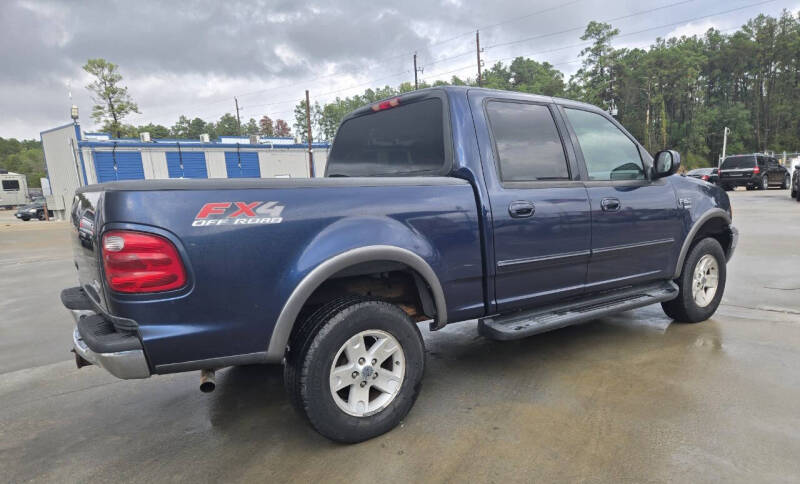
(401, 141)
(733, 162)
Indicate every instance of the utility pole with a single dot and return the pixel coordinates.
(238, 121)
(724, 144)
(478, 52)
(416, 82)
(308, 128)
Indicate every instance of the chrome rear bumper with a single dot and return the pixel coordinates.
(127, 365)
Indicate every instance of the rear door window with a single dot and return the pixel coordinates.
(405, 140)
(11, 185)
(527, 142)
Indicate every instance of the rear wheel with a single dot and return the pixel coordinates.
(700, 285)
(355, 368)
(764, 183)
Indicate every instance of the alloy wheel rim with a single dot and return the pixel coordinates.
(705, 280)
(367, 373)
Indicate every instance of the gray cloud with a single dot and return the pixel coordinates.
(193, 57)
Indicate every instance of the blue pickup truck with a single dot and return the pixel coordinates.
(524, 213)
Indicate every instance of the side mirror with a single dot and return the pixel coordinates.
(666, 163)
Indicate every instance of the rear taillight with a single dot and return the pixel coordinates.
(756, 170)
(705, 177)
(137, 262)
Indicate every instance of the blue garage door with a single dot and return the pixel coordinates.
(123, 165)
(191, 164)
(242, 165)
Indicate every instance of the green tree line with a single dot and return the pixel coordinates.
(24, 157)
(186, 128)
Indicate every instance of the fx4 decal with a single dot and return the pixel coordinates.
(238, 213)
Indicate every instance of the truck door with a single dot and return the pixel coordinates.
(540, 212)
(636, 223)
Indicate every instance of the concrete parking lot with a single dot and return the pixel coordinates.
(628, 398)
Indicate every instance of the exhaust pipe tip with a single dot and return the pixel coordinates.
(208, 381)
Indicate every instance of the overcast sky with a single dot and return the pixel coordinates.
(192, 58)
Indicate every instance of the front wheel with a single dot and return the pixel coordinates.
(700, 285)
(354, 368)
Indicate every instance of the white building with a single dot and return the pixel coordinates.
(75, 159)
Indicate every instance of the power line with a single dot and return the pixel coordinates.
(507, 21)
(626, 34)
(294, 100)
(573, 29)
(316, 78)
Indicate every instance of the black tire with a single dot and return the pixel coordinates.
(727, 188)
(25, 219)
(40, 214)
(683, 308)
(764, 183)
(317, 342)
(786, 182)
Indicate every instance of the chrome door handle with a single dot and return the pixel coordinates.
(610, 204)
(521, 209)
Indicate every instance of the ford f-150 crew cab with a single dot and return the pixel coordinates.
(523, 212)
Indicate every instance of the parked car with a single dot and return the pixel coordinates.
(756, 172)
(449, 204)
(706, 174)
(35, 209)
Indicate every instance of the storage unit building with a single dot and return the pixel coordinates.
(76, 159)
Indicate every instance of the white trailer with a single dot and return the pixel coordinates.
(13, 190)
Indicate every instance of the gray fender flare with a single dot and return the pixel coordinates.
(698, 224)
(288, 315)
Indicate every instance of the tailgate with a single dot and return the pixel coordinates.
(85, 249)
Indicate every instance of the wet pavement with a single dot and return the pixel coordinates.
(627, 398)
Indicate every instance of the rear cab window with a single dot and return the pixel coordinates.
(407, 139)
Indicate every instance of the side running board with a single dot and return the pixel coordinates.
(527, 323)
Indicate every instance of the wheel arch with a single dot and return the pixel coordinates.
(714, 223)
(422, 272)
